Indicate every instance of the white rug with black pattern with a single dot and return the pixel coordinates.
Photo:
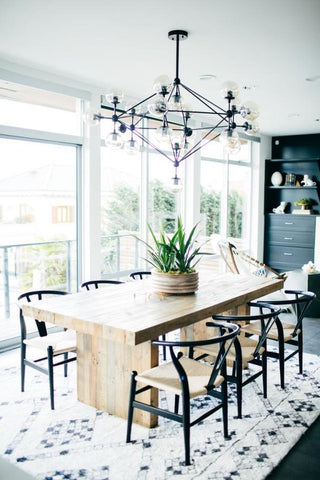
(78, 442)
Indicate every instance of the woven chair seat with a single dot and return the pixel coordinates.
(248, 346)
(165, 377)
(60, 342)
(288, 329)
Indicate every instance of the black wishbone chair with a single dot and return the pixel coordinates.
(285, 332)
(246, 350)
(50, 344)
(186, 378)
(94, 284)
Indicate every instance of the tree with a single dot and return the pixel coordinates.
(210, 206)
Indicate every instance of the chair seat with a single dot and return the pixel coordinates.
(165, 377)
(288, 329)
(61, 342)
(248, 346)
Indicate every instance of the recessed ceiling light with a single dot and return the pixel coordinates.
(313, 79)
(207, 76)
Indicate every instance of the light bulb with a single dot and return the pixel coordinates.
(230, 141)
(132, 147)
(157, 106)
(176, 102)
(89, 118)
(249, 111)
(162, 84)
(254, 128)
(163, 134)
(229, 87)
(114, 140)
(114, 95)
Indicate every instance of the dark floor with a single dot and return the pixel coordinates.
(303, 461)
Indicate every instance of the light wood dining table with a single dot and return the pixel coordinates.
(116, 325)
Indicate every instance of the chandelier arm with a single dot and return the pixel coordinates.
(137, 105)
(147, 141)
(203, 99)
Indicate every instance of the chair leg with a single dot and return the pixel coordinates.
(264, 372)
(163, 338)
(176, 403)
(50, 372)
(300, 347)
(224, 392)
(186, 427)
(239, 387)
(65, 366)
(23, 366)
(130, 407)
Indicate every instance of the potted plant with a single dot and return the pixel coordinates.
(174, 259)
(304, 202)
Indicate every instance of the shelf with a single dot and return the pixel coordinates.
(291, 187)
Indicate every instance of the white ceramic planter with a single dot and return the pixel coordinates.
(174, 282)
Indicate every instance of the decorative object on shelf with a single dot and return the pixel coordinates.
(304, 203)
(309, 268)
(276, 179)
(175, 138)
(174, 259)
(290, 180)
(281, 208)
(307, 182)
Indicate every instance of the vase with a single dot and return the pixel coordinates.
(276, 179)
(174, 283)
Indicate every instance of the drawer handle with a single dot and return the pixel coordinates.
(288, 223)
(288, 254)
(287, 238)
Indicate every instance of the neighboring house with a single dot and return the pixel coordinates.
(37, 205)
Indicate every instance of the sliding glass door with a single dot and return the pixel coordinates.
(38, 212)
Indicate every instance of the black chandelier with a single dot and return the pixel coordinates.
(175, 138)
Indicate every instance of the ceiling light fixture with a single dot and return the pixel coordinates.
(173, 103)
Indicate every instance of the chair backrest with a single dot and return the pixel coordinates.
(36, 295)
(238, 262)
(300, 303)
(267, 316)
(93, 284)
(228, 333)
(139, 275)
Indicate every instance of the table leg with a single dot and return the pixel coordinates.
(103, 375)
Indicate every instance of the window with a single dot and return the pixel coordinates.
(225, 195)
(63, 214)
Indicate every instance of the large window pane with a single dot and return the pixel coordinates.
(120, 210)
(37, 223)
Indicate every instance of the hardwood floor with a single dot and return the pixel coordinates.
(303, 461)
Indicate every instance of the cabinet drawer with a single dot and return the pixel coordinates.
(291, 222)
(294, 257)
(290, 238)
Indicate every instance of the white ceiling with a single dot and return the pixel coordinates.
(269, 46)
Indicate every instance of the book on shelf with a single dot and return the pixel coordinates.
(302, 212)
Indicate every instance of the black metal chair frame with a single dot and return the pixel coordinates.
(266, 319)
(96, 283)
(42, 330)
(300, 304)
(218, 367)
(139, 275)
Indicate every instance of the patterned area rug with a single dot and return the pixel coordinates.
(79, 442)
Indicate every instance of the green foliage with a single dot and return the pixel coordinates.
(210, 206)
(176, 253)
(234, 215)
(304, 201)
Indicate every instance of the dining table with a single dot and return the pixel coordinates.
(115, 327)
